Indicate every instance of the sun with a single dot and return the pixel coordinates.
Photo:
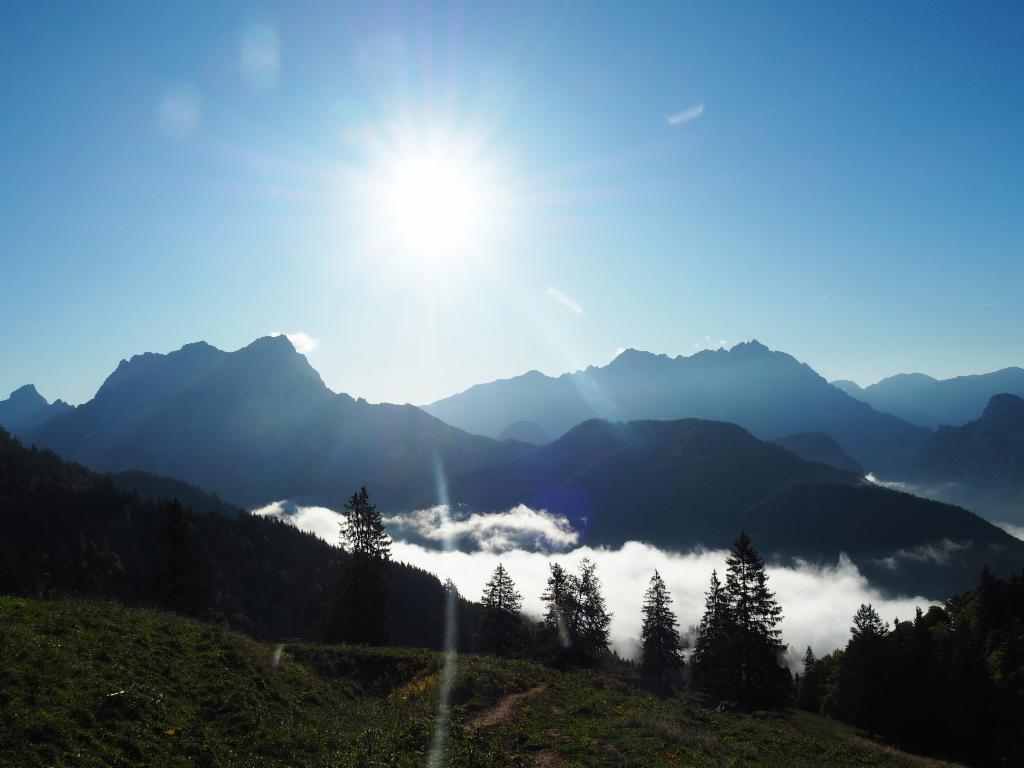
(433, 204)
(430, 199)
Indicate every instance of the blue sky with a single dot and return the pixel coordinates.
(843, 184)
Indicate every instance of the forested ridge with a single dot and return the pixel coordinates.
(65, 530)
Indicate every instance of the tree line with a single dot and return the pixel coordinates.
(948, 681)
(737, 656)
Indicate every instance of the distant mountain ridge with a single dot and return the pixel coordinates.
(767, 392)
(979, 464)
(930, 402)
(26, 409)
(257, 425)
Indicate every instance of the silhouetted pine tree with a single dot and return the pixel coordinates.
(808, 693)
(662, 649)
(594, 619)
(710, 659)
(754, 646)
(561, 613)
(864, 679)
(180, 585)
(360, 612)
(500, 625)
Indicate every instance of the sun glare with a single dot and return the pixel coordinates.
(429, 200)
(433, 205)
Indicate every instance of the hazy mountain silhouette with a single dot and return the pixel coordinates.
(769, 393)
(258, 425)
(26, 409)
(930, 402)
(687, 483)
(981, 463)
(526, 432)
(817, 446)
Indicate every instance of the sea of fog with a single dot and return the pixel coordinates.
(818, 601)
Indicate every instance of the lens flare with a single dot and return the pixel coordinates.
(448, 669)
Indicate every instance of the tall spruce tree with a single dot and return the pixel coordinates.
(662, 649)
(180, 585)
(808, 693)
(360, 612)
(710, 659)
(501, 628)
(754, 647)
(594, 620)
(864, 681)
(561, 609)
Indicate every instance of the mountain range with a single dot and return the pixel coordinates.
(930, 402)
(769, 393)
(687, 460)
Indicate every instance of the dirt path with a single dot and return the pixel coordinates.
(503, 711)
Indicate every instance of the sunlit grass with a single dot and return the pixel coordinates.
(97, 684)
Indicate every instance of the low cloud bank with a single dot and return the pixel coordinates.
(818, 601)
(321, 521)
(518, 528)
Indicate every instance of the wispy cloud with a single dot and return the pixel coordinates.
(686, 115)
(989, 305)
(303, 342)
(939, 553)
(564, 300)
(708, 343)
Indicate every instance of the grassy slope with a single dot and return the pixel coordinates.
(194, 694)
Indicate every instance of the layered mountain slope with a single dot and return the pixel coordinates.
(258, 425)
(692, 483)
(673, 483)
(26, 410)
(910, 545)
(930, 402)
(817, 446)
(769, 393)
(981, 463)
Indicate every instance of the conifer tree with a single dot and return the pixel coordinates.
(360, 611)
(662, 648)
(500, 625)
(561, 613)
(755, 646)
(710, 653)
(179, 586)
(808, 693)
(594, 619)
(864, 682)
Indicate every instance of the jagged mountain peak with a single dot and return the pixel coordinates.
(28, 393)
